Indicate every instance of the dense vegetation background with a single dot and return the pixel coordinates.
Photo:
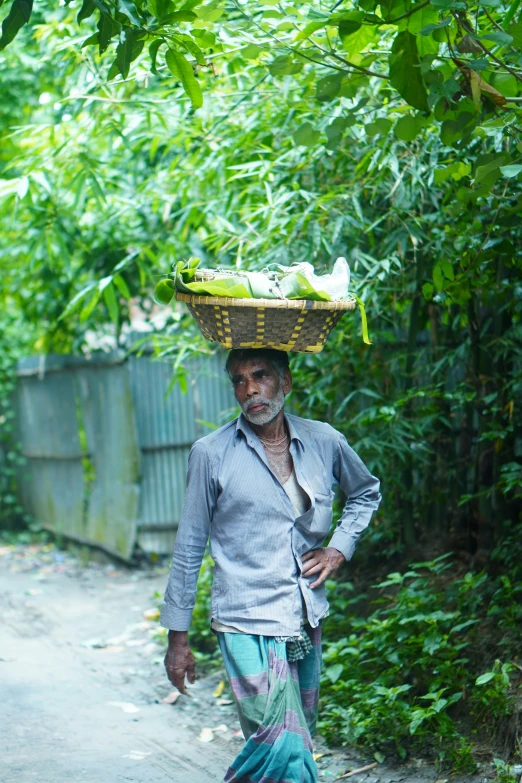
(248, 134)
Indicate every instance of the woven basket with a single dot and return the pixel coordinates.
(300, 325)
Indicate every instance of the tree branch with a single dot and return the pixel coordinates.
(408, 13)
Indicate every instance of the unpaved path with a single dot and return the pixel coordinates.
(63, 694)
(82, 683)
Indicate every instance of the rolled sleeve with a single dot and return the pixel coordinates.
(363, 498)
(191, 540)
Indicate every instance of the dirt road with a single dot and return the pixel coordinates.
(82, 683)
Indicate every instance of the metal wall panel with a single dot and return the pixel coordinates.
(110, 428)
(168, 424)
(107, 447)
(51, 480)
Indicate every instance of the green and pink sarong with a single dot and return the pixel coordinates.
(276, 700)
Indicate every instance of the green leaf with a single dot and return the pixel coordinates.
(91, 40)
(405, 74)
(206, 39)
(419, 20)
(437, 277)
(427, 291)
(328, 87)
(77, 300)
(87, 9)
(107, 28)
(515, 31)
(122, 286)
(306, 135)
(109, 295)
(379, 757)
(128, 9)
(284, 65)
(334, 672)
(179, 16)
(89, 307)
(500, 38)
(511, 171)
(164, 291)
(356, 37)
(450, 132)
(448, 4)
(447, 269)
(182, 70)
(128, 49)
(19, 14)
(153, 53)
(489, 168)
(381, 125)
(364, 321)
(210, 12)
(407, 128)
(484, 678)
(456, 171)
(431, 27)
(338, 126)
(309, 30)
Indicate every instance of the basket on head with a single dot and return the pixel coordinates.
(300, 325)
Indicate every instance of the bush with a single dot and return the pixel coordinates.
(411, 674)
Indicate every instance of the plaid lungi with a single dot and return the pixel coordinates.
(277, 705)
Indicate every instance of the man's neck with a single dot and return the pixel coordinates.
(273, 430)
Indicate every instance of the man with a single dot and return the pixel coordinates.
(261, 488)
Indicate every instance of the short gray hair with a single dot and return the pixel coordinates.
(278, 360)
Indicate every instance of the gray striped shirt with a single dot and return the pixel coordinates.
(256, 541)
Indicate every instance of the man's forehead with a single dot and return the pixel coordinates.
(245, 366)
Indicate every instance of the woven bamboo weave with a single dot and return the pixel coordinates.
(300, 325)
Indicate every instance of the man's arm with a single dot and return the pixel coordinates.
(191, 539)
(363, 498)
(362, 490)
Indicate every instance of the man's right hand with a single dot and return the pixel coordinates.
(179, 661)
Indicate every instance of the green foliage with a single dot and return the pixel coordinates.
(201, 636)
(503, 772)
(15, 339)
(453, 62)
(404, 676)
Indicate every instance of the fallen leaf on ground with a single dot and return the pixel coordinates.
(221, 727)
(318, 756)
(206, 735)
(136, 755)
(224, 702)
(126, 706)
(96, 644)
(219, 690)
(171, 698)
(151, 614)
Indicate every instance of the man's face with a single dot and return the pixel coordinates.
(259, 390)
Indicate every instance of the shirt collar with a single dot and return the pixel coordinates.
(243, 426)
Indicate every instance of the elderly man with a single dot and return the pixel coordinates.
(261, 489)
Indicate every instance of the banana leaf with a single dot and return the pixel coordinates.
(295, 285)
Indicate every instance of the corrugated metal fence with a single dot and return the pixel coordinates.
(106, 447)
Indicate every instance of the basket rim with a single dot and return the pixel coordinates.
(281, 304)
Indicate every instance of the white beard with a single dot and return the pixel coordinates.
(274, 405)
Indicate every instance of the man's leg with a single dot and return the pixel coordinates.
(309, 670)
(266, 689)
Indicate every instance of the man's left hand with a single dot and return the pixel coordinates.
(323, 562)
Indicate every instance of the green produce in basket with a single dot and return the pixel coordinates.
(297, 282)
